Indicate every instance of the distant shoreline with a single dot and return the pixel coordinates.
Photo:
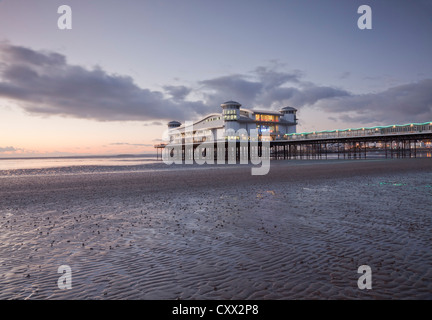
(81, 157)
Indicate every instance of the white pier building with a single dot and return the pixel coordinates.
(234, 119)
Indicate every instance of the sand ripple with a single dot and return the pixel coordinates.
(136, 236)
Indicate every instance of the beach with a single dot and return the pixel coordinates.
(218, 232)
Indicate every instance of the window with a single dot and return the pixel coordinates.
(230, 117)
(266, 118)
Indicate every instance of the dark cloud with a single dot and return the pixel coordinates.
(28, 56)
(400, 104)
(267, 88)
(44, 83)
(263, 87)
(272, 78)
(311, 94)
(232, 87)
(177, 92)
(270, 89)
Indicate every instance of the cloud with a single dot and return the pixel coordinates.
(263, 87)
(345, 75)
(153, 123)
(131, 144)
(8, 149)
(44, 83)
(177, 92)
(231, 87)
(267, 88)
(410, 102)
(311, 94)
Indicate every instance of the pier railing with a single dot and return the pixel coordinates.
(412, 128)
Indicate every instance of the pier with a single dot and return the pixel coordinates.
(395, 141)
(394, 146)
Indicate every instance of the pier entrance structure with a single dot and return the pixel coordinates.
(234, 118)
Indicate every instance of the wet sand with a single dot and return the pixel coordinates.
(299, 232)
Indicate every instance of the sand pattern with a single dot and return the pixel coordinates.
(300, 232)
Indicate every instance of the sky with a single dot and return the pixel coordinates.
(111, 83)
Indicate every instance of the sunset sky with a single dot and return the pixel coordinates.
(111, 83)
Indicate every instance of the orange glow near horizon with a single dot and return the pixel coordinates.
(28, 135)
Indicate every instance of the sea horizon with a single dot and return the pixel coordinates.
(24, 163)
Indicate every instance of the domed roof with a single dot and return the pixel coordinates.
(288, 109)
(231, 103)
(174, 124)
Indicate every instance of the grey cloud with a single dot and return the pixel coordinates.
(28, 56)
(404, 103)
(177, 92)
(232, 87)
(131, 144)
(298, 97)
(345, 75)
(272, 78)
(8, 149)
(266, 88)
(154, 123)
(312, 94)
(263, 87)
(44, 83)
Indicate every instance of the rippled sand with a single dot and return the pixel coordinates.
(299, 232)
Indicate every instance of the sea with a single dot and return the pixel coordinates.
(130, 163)
(77, 164)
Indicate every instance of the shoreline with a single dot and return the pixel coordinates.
(159, 166)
